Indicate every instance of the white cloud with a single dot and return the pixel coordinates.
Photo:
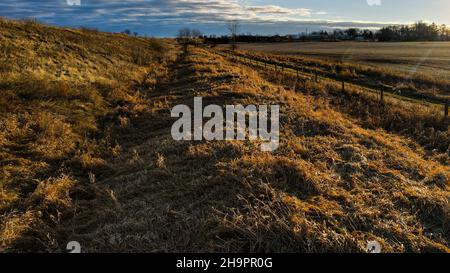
(184, 10)
(271, 9)
(156, 15)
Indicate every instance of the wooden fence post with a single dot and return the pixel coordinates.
(315, 76)
(382, 96)
(343, 86)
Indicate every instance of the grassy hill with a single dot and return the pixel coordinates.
(63, 91)
(86, 154)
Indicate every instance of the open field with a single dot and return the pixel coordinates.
(408, 57)
(425, 85)
(87, 155)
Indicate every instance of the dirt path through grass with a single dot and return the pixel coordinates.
(332, 185)
(151, 200)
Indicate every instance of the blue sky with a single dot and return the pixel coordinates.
(165, 17)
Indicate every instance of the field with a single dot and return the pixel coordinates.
(409, 58)
(87, 155)
(392, 67)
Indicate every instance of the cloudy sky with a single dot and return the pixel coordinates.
(164, 17)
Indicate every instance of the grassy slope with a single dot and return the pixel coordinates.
(412, 118)
(411, 82)
(63, 92)
(332, 185)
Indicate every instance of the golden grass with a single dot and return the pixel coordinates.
(63, 93)
(417, 85)
(423, 122)
(120, 183)
(332, 186)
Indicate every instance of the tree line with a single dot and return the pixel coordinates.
(419, 31)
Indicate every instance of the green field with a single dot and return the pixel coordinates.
(411, 57)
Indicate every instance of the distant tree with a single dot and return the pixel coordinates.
(419, 31)
(184, 34)
(386, 34)
(415, 32)
(337, 34)
(184, 37)
(127, 32)
(352, 32)
(368, 34)
(196, 36)
(187, 36)
(233, 27)
(433, 32)
(196, 33)
(444, 32)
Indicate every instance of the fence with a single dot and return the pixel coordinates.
(314, 75)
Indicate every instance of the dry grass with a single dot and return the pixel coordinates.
(121, 184)
(423, 122)
(332, 186)
(63, 93)
(412, 84)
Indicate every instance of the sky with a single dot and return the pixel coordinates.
(164, 17)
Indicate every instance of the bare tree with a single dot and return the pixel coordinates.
(187, 36)
(196, 36)
(196, 33)
(184, 34)
(233, 27)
